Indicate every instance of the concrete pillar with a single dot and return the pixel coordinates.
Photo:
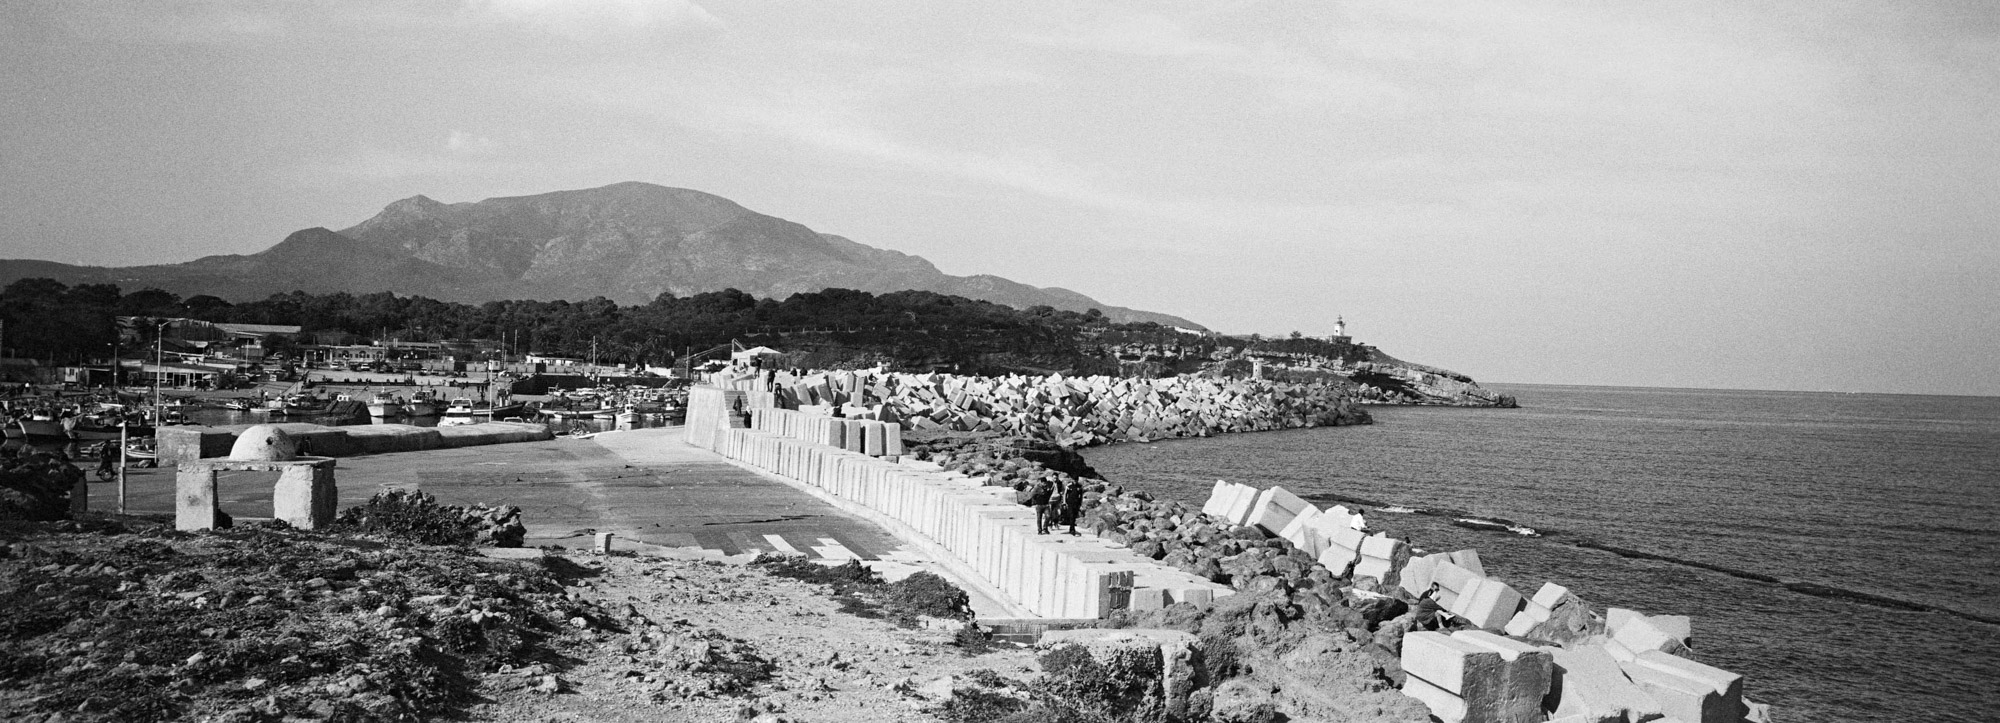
(603, 546)
(304, 496)
(873, 445)
(852, 436)
(194, 498)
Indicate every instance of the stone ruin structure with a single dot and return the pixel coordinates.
(304, 496)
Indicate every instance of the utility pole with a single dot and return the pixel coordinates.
(159, 366)
(124, 438)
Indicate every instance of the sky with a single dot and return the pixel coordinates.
(1795, 195)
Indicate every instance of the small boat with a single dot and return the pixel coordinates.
(631, 416)
(510, 410)
(42, 426)
(142, 454)
(100, 430)
(236, 405)
(421, 404)
(460, 412)
(384, 404)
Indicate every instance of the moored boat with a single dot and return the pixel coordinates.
(42, 426)
(421, 404)
(460, 412)
(384, 404)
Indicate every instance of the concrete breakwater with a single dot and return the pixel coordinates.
(1067, 411)
(1517, 657)
(194, 443)
(981, 528)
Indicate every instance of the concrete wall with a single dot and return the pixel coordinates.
(191, 443)
(1051, 576)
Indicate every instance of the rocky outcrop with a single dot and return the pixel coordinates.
(1399, 382)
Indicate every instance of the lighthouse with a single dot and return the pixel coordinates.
(1339, 330)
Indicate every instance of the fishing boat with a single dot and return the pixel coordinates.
(44, 426)
(101, 429)
(631, 416)
(460, 412)
(505, 411)
(384, 404)
(421, 404)
(143, 453)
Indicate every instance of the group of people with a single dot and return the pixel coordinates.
(1057, 501)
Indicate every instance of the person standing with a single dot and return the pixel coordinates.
(1072, 502)
(1038, 498)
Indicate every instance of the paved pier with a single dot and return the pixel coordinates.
(645, 486)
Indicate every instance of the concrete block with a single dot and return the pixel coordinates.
(853, 437)
(603, 544)
(1638, 633)
(1445, 707)
(1336, 559)
(1148, 599)
(874, 443)
(1218, 499)
(1489, 605)
(1349, 538)
(1240, 505)
(1726, 684)
(1586, 681)
(1618, 651)
(1468, 559)
(1615, 618)
(1455, 665)
(305, 496)
(1274, 509)
(194, 498)
(1302, 534)
(1525, 682)
(1417, 573)
(1519, 625)
(1549, 595)
(1686, 699)
(1452, 580)
(1375, 568)
(1382, 545)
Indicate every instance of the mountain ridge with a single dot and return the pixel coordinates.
(627, 241)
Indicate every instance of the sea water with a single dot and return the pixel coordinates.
(1842, 551)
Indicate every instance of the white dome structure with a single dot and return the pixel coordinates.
(264, 443)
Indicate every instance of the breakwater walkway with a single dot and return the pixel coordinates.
(645, 486)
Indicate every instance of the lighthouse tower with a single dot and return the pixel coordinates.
(1340, 330)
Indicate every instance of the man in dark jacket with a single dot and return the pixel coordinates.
(1038, 498)
(1072, 502)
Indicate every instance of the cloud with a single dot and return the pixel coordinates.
(581, 20)
(466, 143)
(371, 163)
